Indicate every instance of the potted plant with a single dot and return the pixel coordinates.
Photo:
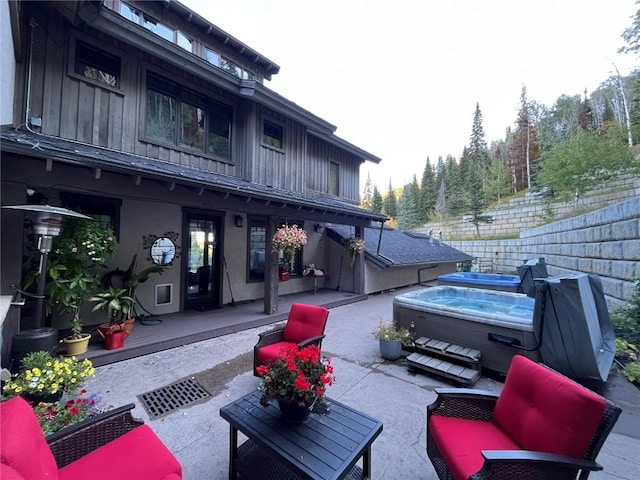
(353, 246)
(118, 306)
(297, 381)
(44, 378)
(78, 256)
(392, 339)
(289, 239)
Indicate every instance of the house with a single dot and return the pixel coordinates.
(393, 258)
(148, 115)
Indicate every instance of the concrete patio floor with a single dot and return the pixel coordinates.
(199, 437)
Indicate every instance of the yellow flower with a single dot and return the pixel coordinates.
(36, 371)
(17, 388)
(40, 386)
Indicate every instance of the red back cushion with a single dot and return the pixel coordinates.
(305, 321)
(22, 444)
(545, 411)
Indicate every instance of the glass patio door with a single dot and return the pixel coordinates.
(202, 290)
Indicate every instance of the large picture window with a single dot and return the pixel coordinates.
(257, 249)
(179, 116)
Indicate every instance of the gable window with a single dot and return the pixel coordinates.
(334, 178)
(97, 65)
(272, 135)
(182, 117)
(160, 29)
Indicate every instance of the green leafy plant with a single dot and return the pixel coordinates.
(302, 376)
(388, 331)
(626, 324)
(116, 302)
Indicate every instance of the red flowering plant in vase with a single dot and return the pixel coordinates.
(301, 376)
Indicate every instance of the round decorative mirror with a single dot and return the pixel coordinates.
(163, 251)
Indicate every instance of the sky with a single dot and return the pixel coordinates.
(401, 79)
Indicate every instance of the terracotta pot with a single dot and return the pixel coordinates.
(76, 346)
(128, 325)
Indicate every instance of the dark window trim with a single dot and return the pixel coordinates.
(208, 99)
(263, 220)
(275, 124)
(71, 66)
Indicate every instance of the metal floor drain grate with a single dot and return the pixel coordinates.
(165, 400)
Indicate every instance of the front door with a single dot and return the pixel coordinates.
(203, 234)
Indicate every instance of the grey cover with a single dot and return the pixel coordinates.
(534, 268)
(573, 326)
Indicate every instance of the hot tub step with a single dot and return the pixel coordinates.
(465, 356)
(443, 368)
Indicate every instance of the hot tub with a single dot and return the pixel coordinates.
(489, 281)
(494, 322)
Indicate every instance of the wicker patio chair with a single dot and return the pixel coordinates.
(107, 446)
(305, 326)
(541, 426)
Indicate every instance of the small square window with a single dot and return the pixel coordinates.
(272, 135)
(97, 65)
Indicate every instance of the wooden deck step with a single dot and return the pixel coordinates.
(468, 357)
(443, 368)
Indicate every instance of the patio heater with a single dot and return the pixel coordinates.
(48, 224)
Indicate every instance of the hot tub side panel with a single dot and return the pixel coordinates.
(495, 356)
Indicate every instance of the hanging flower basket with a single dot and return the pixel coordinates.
(289, 239)
(354, 246)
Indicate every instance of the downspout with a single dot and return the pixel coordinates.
(380, 237)
(27, 108)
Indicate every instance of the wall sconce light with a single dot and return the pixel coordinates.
(318, 228)
(238, 220)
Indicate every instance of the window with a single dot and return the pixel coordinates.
(272, 135)
(97, 65)
(160, 29)
(179, 116)
(212, 57)
(257, 249)
(334, 179)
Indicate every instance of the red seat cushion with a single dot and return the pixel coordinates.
(136, 455)
(460, 442)
(305, 321)
(547, 412)
(23, 447)
(270, 353)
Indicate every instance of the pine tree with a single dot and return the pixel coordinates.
(524, 149)
(475, 201)
(478, 153)
(378, 202)
(390, 204)
(367, 195)
(407, 212)
(428, 193)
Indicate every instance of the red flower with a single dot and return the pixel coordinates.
(261, 370)
(73, 410)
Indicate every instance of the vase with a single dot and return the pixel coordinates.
(293, 412)
(390, 349)
(34, 399)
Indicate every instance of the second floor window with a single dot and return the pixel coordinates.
(156, 27)
(182, 117)
(272, 135)
(334, 179)
(97, 65)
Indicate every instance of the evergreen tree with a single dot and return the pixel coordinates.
(475, 202)
(390, 205)
(428, 193)
(453, 186)
(585, 113)
(407, 213)
(367, 195)
(524, 149)
(378, 202)
(478, 153)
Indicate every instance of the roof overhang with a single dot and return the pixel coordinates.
(54, 149)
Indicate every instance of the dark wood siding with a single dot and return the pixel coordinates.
(320, 154)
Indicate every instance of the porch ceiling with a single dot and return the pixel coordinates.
(54, 149)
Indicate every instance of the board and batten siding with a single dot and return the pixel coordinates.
(319, 156)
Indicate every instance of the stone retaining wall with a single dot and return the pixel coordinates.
(530, 211)
(605, 242)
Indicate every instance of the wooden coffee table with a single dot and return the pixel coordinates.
(327, 446)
